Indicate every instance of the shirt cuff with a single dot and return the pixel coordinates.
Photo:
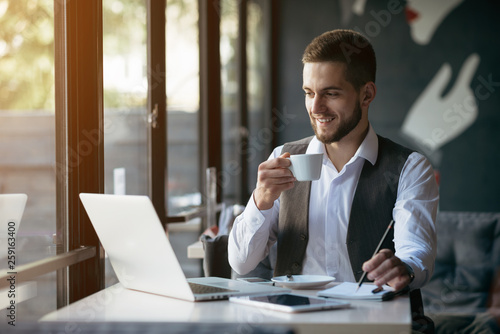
(420, 274)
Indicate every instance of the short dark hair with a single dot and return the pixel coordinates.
(348, 47)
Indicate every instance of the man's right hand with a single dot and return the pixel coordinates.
(272, 179)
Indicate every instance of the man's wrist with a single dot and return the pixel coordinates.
(410, 272)
(260, 204)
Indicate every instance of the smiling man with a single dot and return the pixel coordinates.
(331, 226)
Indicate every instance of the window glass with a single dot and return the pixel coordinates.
(125, 100)
(258, 74)
(27, 144)
(258, 132)
(125, 96)
(231, 131)
(183, 105)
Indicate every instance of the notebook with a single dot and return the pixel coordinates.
(141, 255)
(367, 291)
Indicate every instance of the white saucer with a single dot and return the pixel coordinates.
(303, 281)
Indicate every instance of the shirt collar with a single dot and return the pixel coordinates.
(367, 150)
(369, 147)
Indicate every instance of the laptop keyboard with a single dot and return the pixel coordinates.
(202, 288)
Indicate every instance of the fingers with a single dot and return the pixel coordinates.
(279, 162)
(386, 268)
(275, 171)
(273, 178)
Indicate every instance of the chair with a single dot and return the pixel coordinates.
(466, 271)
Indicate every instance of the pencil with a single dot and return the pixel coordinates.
(376, 251)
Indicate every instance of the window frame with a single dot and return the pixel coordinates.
(157, 106)
(210, 90)
(79, 140)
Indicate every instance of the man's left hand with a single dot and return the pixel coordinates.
(387, 268)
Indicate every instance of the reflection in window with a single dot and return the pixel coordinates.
(27, 139)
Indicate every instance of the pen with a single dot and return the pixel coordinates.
(391, 294)
(376, 251)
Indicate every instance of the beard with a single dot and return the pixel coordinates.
(345, 127)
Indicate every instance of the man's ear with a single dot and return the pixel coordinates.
(368, 91)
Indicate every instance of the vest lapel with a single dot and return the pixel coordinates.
(373, 204)
(293, 229)
(293, 220)
(371, 212)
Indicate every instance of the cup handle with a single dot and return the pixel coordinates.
(291, 166)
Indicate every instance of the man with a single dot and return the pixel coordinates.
(332, 226)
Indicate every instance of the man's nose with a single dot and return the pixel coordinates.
(317, 104)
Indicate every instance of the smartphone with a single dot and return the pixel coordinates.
(256, 280)
(290, 302)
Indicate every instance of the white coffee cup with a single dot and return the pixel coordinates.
(306, 167)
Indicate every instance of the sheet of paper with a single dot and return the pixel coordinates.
(347, 290)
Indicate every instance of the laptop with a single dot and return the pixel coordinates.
(143, 259)
(11, 211)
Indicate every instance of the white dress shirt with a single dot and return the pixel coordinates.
(255, 231)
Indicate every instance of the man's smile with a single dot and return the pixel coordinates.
(324, 120)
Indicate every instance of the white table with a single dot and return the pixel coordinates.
(196, 251)
(117, 304)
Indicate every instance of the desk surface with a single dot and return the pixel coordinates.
(117, 304)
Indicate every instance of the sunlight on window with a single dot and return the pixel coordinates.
(182, 55)
(125, 52)
(27, 55)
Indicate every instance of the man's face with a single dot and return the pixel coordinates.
(332, 102)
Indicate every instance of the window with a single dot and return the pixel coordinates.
(27, 143)
(125, 97)
(260, 131)
(234, 132)
(246, 94)
(183, 105)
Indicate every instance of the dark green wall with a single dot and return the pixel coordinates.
(469, 164)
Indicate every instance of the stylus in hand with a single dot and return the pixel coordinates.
(376, 251)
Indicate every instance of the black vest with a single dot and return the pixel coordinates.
(371, 210)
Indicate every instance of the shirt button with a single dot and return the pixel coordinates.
(295, 266)
(303, 236)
